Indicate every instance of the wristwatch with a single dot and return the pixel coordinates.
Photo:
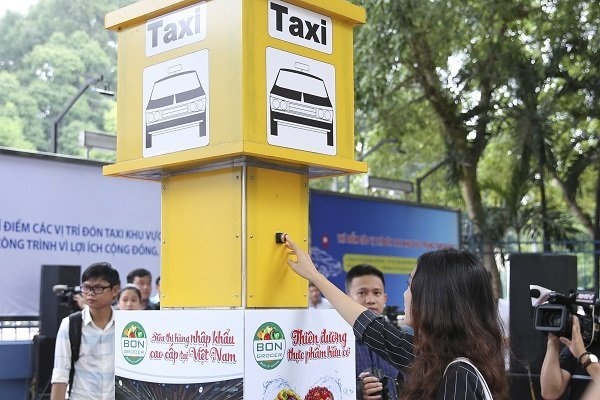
(592, 358)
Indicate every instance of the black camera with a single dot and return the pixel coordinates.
(392, 313)
(65, 295)
(389, 391)
(556, 313)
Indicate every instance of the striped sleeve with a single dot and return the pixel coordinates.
(393, 344)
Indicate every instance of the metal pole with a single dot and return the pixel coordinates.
(65, 110)
(596, 273)
(368, 153)
(426, 174)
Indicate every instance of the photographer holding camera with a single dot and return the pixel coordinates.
(571, 367)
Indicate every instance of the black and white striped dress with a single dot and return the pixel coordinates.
(396, 346)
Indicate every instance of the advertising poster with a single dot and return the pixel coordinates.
(179, 354)
(299, 355)
(389, 234)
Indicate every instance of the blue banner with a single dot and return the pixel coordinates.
(348, 230)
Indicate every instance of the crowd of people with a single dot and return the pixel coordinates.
(457, 346)
(453, 347)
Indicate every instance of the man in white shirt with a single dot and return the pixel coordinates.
(94, 377)
(504, 317)
(316, 300)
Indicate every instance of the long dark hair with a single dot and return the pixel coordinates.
(454, 315)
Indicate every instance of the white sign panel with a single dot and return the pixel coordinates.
(176, 104)
(176, 29)
(179, 354)
(300, 102)
(66, 213)
(307, 352)
(299, 26)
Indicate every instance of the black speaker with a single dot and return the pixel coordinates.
(524, 386)
(43, 363)
(555, 272)
(52, 308)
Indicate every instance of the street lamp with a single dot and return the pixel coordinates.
(392, 185)
(97, 140)
(430, 171)
(65, 110)
(368, 153)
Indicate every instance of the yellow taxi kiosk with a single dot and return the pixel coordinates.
(233, 105)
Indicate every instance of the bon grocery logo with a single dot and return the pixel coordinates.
(134, 343)
(269, 345)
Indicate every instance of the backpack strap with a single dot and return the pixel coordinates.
(486, 390)
(75, 325)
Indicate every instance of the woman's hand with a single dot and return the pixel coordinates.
(303, 265)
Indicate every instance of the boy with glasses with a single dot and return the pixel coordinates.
(95, 368)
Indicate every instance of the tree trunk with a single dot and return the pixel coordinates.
(472, 197)
(597, 237)
(576, 210)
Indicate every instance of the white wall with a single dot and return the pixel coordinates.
(58, 212)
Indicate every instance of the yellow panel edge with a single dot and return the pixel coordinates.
(336, 8)
(180, 160)
(142, 11)
(289, 156)
(139, 166)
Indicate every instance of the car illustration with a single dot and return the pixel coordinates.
(177, 102)
(300, 100)
(325, 262)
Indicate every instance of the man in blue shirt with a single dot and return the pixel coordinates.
(366, 285)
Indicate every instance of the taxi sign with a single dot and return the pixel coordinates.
(201, 83)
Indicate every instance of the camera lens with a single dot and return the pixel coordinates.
(553, 320)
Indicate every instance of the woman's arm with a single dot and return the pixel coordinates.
(553, 379)
(388, 341)
(592, 392)
(303, 266)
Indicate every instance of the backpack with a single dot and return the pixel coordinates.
(75, 325)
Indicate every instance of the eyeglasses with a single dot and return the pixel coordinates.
(98, 289)
(409, 280)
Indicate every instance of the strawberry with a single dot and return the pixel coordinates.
(319, 393)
